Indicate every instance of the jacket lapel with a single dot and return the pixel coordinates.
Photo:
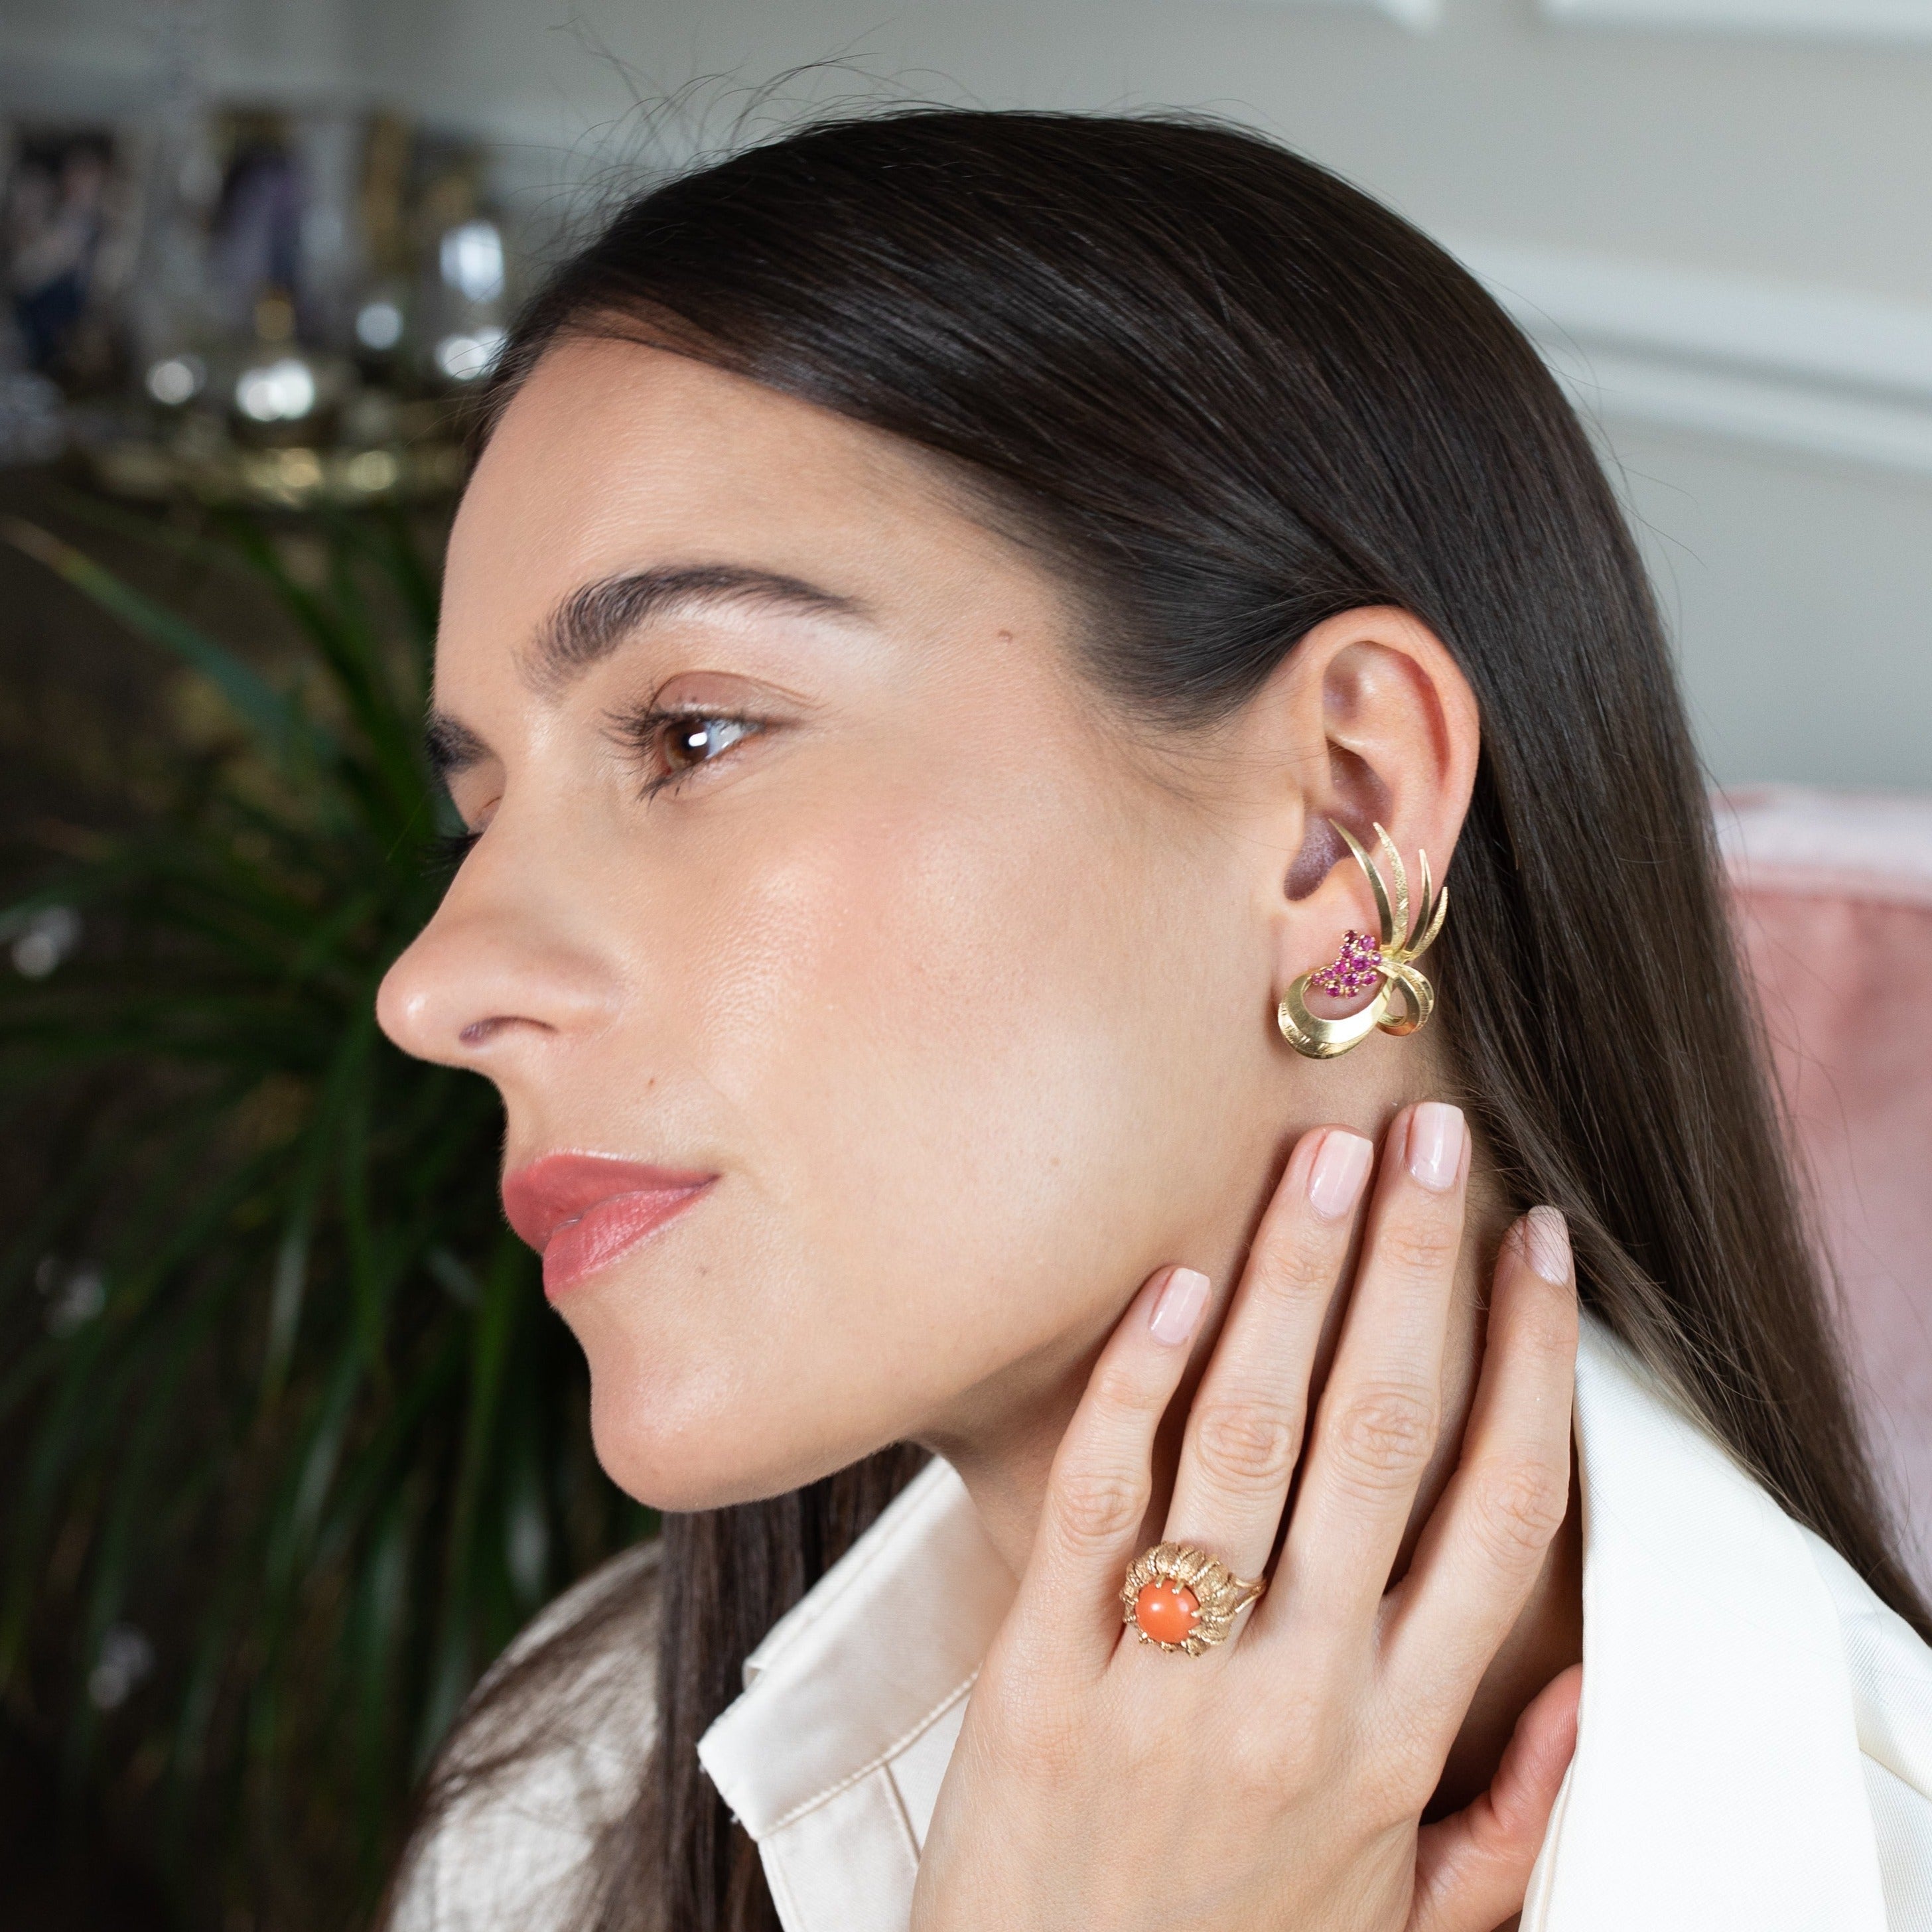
(1718, 1783)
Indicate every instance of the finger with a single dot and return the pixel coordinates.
(1376, 1426)
(1101, 1482)
(1488, 1538)
(1244, 1428)
(1472, 1870)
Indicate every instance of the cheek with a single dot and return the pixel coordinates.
(978, 1052)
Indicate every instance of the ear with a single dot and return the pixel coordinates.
(1368, 720)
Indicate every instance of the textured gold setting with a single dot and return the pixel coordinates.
(1219, 1592)
(1405, 999)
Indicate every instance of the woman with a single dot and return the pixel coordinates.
(963, 628)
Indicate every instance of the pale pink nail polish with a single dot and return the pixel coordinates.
(1546, 1240)
(1177, 1310)
(1335, 1179)
(1435, 1132)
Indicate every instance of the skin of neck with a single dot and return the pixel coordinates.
(1003, 1439)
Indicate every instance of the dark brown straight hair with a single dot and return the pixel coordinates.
(1228, 396)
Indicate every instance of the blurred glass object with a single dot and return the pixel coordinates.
(463, 358)
(278, 385)
(469, 258)
(465, 277)
(283, 392)
(385, 303)
(379, 324)
(472, 259)
(177, 379)
(303, 289)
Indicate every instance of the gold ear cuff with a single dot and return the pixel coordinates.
(1404, 999)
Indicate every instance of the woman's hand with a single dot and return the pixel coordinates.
(1279, 1779)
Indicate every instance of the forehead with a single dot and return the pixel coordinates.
(614, 457)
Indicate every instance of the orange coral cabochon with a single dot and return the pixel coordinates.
(1166, 1611)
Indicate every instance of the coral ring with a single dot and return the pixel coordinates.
(1178, 1598)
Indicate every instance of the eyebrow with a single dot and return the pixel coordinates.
(592, 622)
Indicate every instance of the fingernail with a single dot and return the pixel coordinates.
(1177, 1311)
(1435, 1144)
(1341, 1165)
(1546, 1240)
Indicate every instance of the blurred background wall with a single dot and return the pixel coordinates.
(1712, 212)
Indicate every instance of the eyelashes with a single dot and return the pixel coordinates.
(446, 851)
(669, 745)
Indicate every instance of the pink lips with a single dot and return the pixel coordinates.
(580, 1211)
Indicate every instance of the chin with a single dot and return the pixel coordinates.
(675, 1450)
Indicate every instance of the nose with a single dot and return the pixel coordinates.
(489, 978)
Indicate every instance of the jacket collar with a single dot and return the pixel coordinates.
(1717, 1781)
(890, 1638)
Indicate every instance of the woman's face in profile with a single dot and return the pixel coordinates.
(924, 1005)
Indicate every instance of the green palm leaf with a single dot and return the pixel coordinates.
(289, 1402)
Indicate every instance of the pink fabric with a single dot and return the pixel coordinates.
(1834, 899)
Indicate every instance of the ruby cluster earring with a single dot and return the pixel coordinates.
(1405, 1000)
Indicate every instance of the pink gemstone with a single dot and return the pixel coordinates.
(1357, 968)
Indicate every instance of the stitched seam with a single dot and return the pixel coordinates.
(891, 1751)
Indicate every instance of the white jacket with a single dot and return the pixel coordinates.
(1754, 1752)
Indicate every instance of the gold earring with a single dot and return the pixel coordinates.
(1405, 999)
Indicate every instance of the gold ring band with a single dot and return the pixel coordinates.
(1178, 1598)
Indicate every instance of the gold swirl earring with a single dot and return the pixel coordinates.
(1405, 999)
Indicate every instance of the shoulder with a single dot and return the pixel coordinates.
(550, 1752)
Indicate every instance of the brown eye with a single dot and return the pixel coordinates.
(692, 741)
